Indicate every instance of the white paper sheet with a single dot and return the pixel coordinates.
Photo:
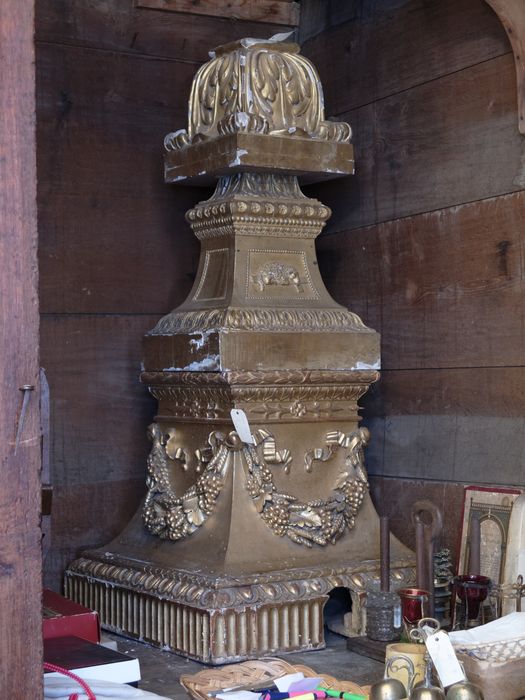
(284, 683)
(507, 627)
(62, 688)
(238, 695)
(306, 685)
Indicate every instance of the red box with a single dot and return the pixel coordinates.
(65, 618)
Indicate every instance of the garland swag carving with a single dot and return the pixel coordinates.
(318, 521)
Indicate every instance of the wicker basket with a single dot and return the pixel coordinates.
(498, 681)
(207, 681)
(494, 652)
(497, 667)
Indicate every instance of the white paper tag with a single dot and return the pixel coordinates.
(242, 426)
(444, 657)
(397, 616)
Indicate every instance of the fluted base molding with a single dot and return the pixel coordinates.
(277, 616)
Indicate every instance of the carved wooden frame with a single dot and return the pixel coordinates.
(512, 15)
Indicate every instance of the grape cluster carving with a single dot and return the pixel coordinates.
(319, 521)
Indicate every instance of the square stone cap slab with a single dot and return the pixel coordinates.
(312, 160)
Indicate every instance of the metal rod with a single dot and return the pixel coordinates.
(421, 569)
(430, 576)
(475, 546)
(27, 389)
(428, 528)
(384, 553)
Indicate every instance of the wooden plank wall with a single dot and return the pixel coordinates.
(20, 533)
(115, 251)
(276, 11)
(426, 242)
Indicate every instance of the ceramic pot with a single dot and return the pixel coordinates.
(406, 662)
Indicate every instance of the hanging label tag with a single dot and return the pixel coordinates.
(242, 426)
(444, 657)
(397, 616)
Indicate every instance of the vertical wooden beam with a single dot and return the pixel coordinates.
(20, 534)
(512, 16)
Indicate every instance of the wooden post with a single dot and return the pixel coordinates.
(384, 552)
(20, 534)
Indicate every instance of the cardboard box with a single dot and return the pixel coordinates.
(63, 617)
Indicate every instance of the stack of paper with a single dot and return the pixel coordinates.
(507, 627)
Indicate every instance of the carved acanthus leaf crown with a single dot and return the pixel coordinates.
(257, 86)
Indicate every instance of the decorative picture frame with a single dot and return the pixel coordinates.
(493, 508)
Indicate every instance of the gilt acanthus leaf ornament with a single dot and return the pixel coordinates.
(259, 88)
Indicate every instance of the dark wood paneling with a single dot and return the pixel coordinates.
(483, 392)
(315, 19)
(103, 117)
(385, 48)
(112, 235)
(444, 289)
(437, 134)
(112, 81)
(446, 142)
(395, 497)
(20, 534)
(99, 410)
(119, 255)
(318, 16)
(272, 11)
(88, 515)
(118, 25)
(458, 425)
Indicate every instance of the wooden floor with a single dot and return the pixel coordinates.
(161, 670)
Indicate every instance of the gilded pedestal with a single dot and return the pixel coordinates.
(236, 546)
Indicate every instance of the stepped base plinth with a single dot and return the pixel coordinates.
(225, 619)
